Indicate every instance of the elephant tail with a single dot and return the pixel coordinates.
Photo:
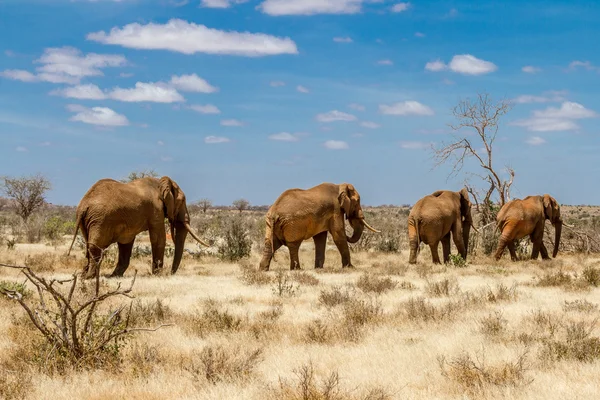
(417, 223)
(78, 224)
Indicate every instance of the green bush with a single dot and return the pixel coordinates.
(237, 244)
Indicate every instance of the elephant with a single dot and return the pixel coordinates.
(301, 214)
(434, 218)
(519, 218)
(113, 211)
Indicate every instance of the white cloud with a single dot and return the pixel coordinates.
(284, 137)
(22, 149)
(471, 65)
(335, 115)
(231, 122)
(583, 64)
(189, 38)
(277, 83)
(97, 116)
(397, 8)
(535, 141)
(192, 83)
(357, 107)
(125, 75)
(19, 75)
(216, 139)
(551, 96)
(385, 62)
(530, 69)
(419, 34)
(336, 145)
(415, 145)
(435, 66)
(409, 107)
(158, 92)
(370, 125)
(310, 7)
(342, 39)
(160, 143)
(556, 119)
(220, 3)
(205, 109)
(302, 89)
(81, 92)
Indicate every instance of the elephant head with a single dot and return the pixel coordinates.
(552, 213)
(467, 220)
(176, 212)
(350, 204)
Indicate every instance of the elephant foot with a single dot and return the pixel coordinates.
(348, 266)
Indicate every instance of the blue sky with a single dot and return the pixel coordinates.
(235, 98)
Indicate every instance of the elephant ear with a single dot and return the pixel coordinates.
(549, 206)
(465, 203)
(344, 198)
(166, 195)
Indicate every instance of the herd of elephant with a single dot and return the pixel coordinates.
(116, 212)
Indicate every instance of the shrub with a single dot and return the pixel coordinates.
(580, 305)
(578, 344)
(149, 312)
(251, 276)
(236, 245)
(389, 243)
(16, 287)
(369, 283)
(558, 278)
(493, 324)
(318, 332)
(304, 278)
(335, 296)
(218, 363)
(445, 287)
(213, 319)
(458, 261)
(591, 276)
(283, 285)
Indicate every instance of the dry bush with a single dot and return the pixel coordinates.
(493, 325)
(445, 287)
(14, 385)
(148, 312)
(335, 296)
(502, 293)
(318, 332)
(407, 285)
(304, 278)
(217, 363)
(369, 283)
(420, 309)
(264, 324)
(43, 262)
(143, 359)
(308, 387)
(558, 278)
(591, 276)
(251, 276)
(212, 318)
(476, 377)
(583, 306)
(390, 268)
(357, 314)
(283, 286)
(576, 344)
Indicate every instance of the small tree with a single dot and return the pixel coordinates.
(241, 204)
(140, 174)
(481, 115)
(27, 192)
(204, 204)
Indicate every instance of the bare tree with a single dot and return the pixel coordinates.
(140, 174)
(204, 204)
(241, 204)
(27, 192)
(481, 115)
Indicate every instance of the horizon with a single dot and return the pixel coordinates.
(253, 97)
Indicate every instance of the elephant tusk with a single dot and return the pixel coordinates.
(568, 226)
(191, 232)
(369, 227)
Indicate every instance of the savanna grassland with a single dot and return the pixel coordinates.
(383, 330)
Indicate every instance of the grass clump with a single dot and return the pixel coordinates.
(577, 344)
(216, 363)
(318, 332)
(493, 325)
(11, 286)
(147, 312)
(335, 296)
(373, 284)
(553, 279)
(579, 306)
(251, 276)
(213, 319)
(445, 287)
(304, 278)
(591, 276)
(283, 286)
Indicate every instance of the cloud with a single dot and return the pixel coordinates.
(405, 108)
(81, 92)
(277, 83)
(583, 64)
(67, 65)
(556, 119)
(335, 115)
(463, 64)
(551, 96)
(97, 116)
(205, 109)
(160, 143)
(435, 66)
(357, 107)
(192, 83)
(310, 7)
(216, 139)
(158, 92)
(385, 62)
(22, 149)
(231, 122)
(530, 69)
(342, 39)
(220, 3)
(284, 137)
(397, 8)
(370, 125)
(302, 89)
(125, 75)
(186, 37)
(336, 145)
(419, 34)
(415, 145)
(535, 141)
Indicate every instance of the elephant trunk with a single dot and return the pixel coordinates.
(179, 240)
(358, 226)
(557, 233)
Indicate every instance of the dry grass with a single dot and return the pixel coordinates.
(384, 330)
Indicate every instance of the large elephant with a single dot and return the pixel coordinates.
(519, 218)
(437, 216)
(301, 214)
(113, 211)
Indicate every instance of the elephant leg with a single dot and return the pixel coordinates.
(124, 259)
(294, 259)
(457, 236)
(413, 241)
(446, 247)
(268, 254)
(157, 241)
(502, 243)
(513, 250)
(94, 260)
(435, 257)
(544, 251)
(320, 244)
(342, 244)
